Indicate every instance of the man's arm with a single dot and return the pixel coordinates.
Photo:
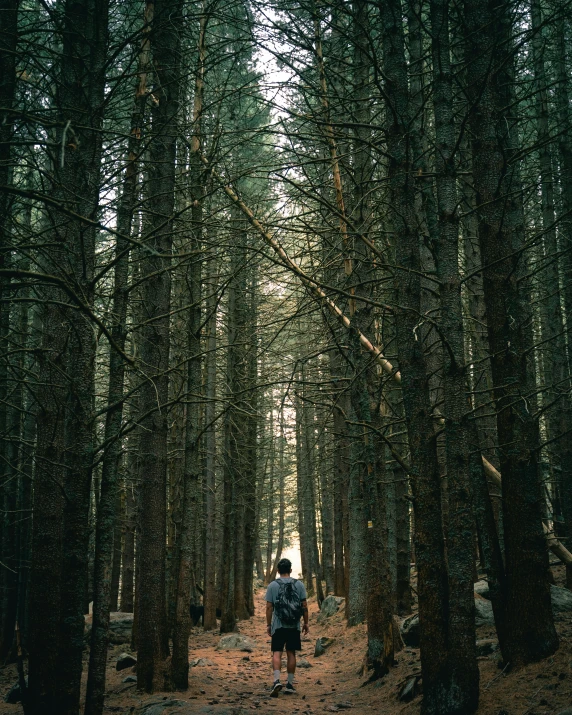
(269, 612)
(305, 627)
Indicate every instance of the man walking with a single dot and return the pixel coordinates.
(285, 605)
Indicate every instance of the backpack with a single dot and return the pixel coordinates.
(288, 605)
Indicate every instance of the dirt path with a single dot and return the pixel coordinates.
(235, 683)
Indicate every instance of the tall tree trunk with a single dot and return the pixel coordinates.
(210, 598)
(128, 553)
(530, 633)
(153, 670)
(65, 420)
(556, 395)
(426, 487)
(282, 500)
(340, 480)
(404, 597)
(251, 453)
(562, 99)
(301, 470)
(107, 529)
(327, 512)
(463, 670)
(270, 499)
(8, 484)
(193, 464)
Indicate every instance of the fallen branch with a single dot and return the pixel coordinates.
(315, 289)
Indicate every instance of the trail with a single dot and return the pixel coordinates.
(238, 683)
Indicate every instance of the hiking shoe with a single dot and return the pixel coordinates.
(290, 689)
(276, 688)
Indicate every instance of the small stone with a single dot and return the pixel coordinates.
(201, 663)
(125, 661)
(321, 645)
(235, 641)
(129, 679)
(245, 657)
(345, 705)
(303, 663)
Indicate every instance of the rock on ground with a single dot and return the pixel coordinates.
(234, 641)
(321, 645)
(410, 626)
(125, 661)
(120, 627)
(303, 663)
(201, 662)
(163, 707)
(482, 588)
(410, 631)
(483, 612)
(330, 606)
(561, 599)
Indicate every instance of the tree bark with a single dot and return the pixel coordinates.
(210, 597)
(193, 464)
(426, 487)
(463, 670)
(530, 633)
(153, 668)
(107, 530)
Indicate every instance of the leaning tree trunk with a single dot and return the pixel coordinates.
(153, 668)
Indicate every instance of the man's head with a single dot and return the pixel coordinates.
(284, 567)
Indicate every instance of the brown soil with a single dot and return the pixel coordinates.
(237, 682)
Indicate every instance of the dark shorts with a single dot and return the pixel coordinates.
(289, 637)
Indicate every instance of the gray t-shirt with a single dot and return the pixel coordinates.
(272, 594)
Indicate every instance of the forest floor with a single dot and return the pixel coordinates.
(236, 683)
